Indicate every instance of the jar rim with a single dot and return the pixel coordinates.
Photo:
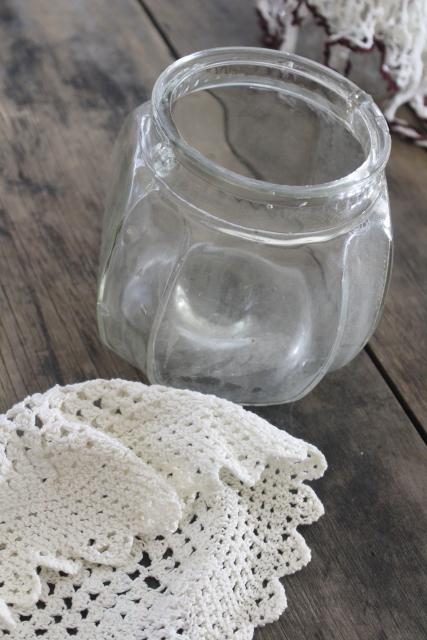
(358, 100)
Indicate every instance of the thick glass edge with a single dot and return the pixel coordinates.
(375, 122)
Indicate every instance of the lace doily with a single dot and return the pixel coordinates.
(94, 478)
(398, 28)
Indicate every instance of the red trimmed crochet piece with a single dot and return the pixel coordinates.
(392, 32)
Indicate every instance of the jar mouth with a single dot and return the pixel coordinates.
(257, 66)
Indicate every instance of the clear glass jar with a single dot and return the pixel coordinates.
(247, 240)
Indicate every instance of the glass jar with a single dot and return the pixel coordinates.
(247, 240)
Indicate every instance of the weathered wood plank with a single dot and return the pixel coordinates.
(69, 74)
(201, 24)
(400, 342)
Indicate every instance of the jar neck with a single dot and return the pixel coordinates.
(257, 206)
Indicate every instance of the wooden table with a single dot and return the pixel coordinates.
(70, 71)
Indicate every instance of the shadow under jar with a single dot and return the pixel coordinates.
(247, 240)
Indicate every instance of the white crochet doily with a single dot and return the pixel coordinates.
(147, 513)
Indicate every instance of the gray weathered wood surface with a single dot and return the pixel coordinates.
(69, 72)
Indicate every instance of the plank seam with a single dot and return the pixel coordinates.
(168, 42)
(396, 392)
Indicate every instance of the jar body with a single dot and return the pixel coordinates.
(256, 318)
(197, 308)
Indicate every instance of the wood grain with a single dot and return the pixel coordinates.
(400, 342)
(201, 24)
(70, 71)
(366, 580)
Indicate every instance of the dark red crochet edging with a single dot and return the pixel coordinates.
(276, 39)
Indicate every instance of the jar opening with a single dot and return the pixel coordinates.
(268, 135)
(269, 122)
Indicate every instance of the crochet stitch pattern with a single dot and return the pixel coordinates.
(150, 513)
